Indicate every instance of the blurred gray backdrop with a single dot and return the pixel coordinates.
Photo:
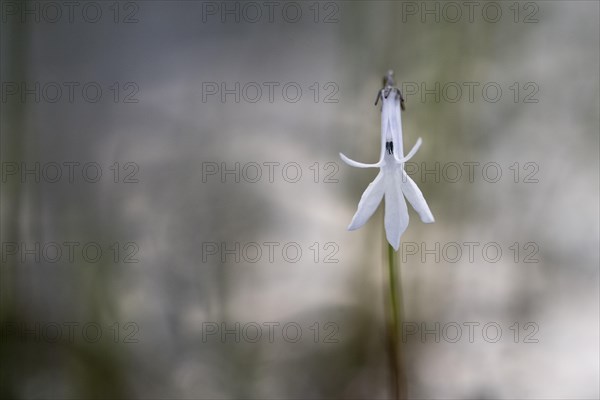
(174, 209)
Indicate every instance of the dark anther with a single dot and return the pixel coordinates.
(386, 92)
(389, 146)
(388, 86)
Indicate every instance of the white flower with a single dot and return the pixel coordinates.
(392, 181)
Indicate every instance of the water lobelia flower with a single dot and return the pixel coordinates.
(392, 182)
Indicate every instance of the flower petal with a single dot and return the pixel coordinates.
(410, 154)
(416, 199)
(397, 127)
(357, 164)
(396, 213)
(369, 201)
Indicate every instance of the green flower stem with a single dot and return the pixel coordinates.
(399, 378)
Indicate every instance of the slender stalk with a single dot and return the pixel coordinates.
(395, 287)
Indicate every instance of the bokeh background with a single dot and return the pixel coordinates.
(112, 328)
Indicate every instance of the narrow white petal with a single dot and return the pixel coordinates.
(410, 154)
(357, 164)
(396, 213)
(397, 123)
(369, 201)
(383, 125)
(416, 199)
(383, 140)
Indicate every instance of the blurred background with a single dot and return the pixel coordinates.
(174, 209)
